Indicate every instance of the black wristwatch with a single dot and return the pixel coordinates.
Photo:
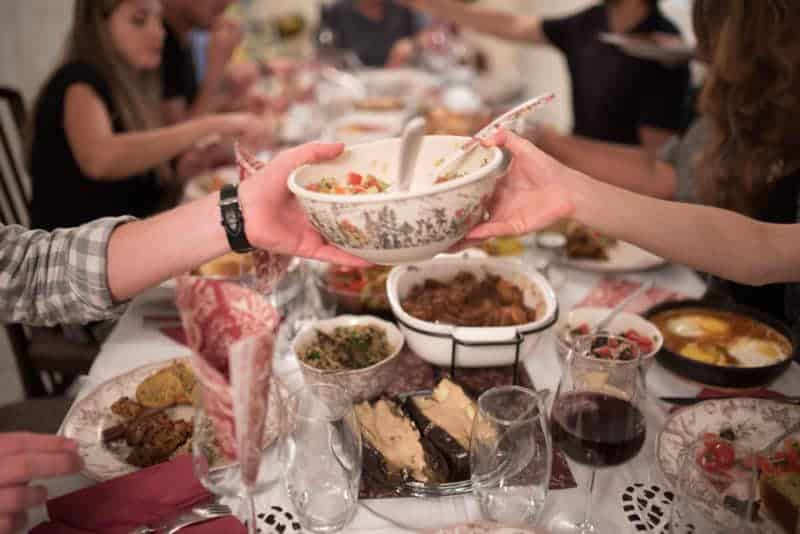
(232, 219)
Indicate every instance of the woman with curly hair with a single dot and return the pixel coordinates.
(749, 171)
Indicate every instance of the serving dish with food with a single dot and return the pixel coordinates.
(360, 127)
(581, 321)
(589, 250)
(723, 344)
(418, 444)
(358, 353)
(357, 289)
(134, 420)
(398, 227)
(492, 310)
(209, 182)
(739, 434)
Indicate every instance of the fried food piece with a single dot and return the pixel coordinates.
(155, 439)
(585, 243)
(172, 385)
(127, 408)
(188, 381)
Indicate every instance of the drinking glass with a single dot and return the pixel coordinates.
(325, 457)
(222, 476)
(510, 455)
(713, 501)
(597, 417)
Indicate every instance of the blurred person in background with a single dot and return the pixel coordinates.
(742, 161)
(98, 147)
(380, 32)
(223, 85)
(615, 97)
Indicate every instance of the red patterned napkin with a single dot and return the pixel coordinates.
(611, 291)
(231, 330)
(269, 267)
(148, 496)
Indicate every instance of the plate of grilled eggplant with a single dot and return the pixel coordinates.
(417, 444)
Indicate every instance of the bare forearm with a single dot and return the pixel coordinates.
(187, 237)
(497, 23)
(709, 239)
(127, 154)
(628, 167)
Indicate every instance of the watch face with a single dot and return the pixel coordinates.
(232, 221)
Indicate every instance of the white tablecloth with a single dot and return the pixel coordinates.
(133, 344)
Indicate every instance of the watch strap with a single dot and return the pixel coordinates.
(232, 218)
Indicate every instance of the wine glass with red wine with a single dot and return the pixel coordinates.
(597, 419)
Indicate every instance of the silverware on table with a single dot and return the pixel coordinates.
(689, 401)
(198, 514)
(645, 287)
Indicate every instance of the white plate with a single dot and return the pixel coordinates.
(622, 257)
(644, 49)
(88, 417)
(403, 82)
(755, 422)
(386, 125)
(199, 186)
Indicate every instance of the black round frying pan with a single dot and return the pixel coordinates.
(718, 375)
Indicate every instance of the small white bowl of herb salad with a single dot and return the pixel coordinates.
(356, 352)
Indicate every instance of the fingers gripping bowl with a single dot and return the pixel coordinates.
(389, 227)
(433, 341)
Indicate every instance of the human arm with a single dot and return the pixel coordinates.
(632, 168)
(213, 95)
(25, 457)
(539, 190)
(104, 154)
(509, 26)
(80, 274)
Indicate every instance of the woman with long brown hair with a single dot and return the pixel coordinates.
(98, 147)
(751, 103)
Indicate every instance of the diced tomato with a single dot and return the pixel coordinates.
(583, 329)
(792, 450)
(353, 178)
(603, 352)
(313, 187)
(717, 456)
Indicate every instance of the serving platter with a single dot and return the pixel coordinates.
(622, 257)
(756, 423)
(90, 415)
(724, 376)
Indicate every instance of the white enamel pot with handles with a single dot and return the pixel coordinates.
(474, 346)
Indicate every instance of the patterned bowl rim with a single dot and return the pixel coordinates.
(501, 160)
(349, 319)
(748, 403)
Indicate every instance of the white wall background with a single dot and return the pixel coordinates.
(32, 34)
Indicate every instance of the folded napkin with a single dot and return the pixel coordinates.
(231, 330)
(148, 496)
(609, 292)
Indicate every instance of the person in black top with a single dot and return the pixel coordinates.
(98, 148)
(375, 30)
(183, 95)
(616, 97)
(747, 172)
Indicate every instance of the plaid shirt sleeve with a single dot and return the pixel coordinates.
(57, 277)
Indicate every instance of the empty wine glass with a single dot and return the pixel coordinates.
(324, 469)
(510, 455)
(221, 474)
(716, 490)
(597, 419)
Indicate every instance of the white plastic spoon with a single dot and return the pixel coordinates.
(410, 143)
(426, 181)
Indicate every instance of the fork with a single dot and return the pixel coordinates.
(198, 514)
